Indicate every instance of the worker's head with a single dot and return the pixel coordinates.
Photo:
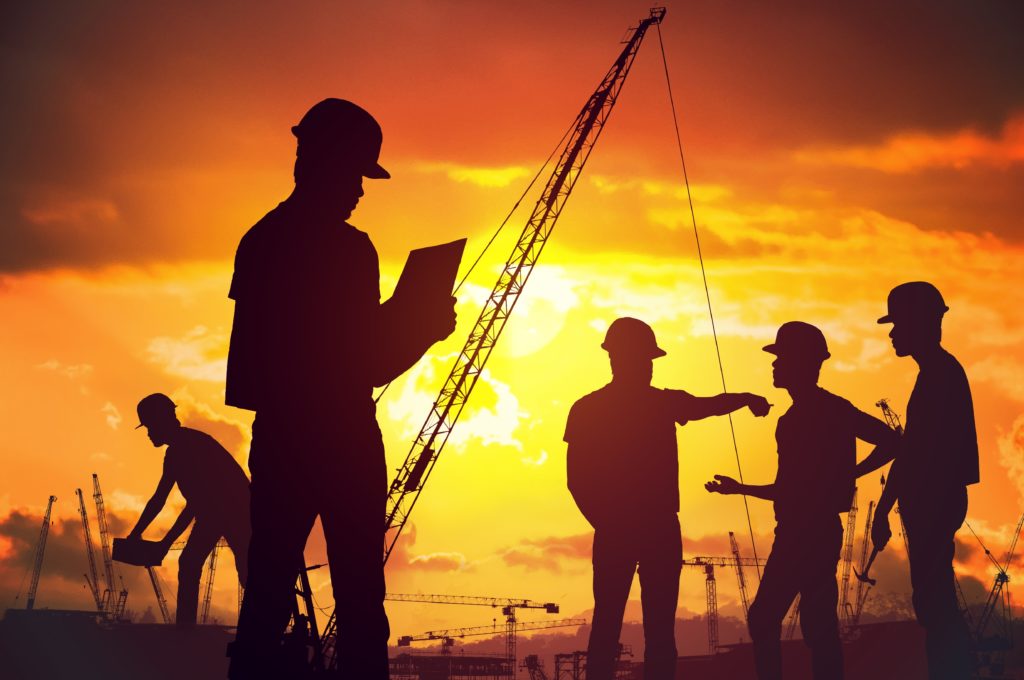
(632, 349)
(800, 350)
(338, 145)
(915, 310)
(156, 414)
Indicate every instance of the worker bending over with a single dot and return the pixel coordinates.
(216, 493)
(623, 473)
(817, 447)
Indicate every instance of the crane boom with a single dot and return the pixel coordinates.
(503, 602)
(413, 474)
(165, 613)
(37, 566)
(208, 594)
(449, 633)
(863, 589)
(92, 578)
(116, 601)
(845, 611)
(740, 578)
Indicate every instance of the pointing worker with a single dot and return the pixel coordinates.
(623, 473)
(216, 493)
(817, 447)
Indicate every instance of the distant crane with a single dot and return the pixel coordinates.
(999, 595)
(848, 539)
(115, 601)
(212, 570)
(508, 608)
(448, 636)
(535, 667)
(863, 589)
(92, 578)
(707, 565)
(454, 394)
(739, 576)
(37, 564)
(165, 613)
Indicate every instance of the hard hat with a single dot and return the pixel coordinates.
(633, 336)
(153, 407)
(915, 300)
(797, 337)
(337, 126)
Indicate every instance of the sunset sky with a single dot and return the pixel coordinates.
(834, 151)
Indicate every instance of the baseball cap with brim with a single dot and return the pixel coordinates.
(914, 300)
(798, 337)
(337, 126)
(153, 405)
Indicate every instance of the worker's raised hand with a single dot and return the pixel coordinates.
(759, 406)
(880, 531)
(723, 485)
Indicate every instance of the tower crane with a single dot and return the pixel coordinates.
(848, 539)
(211, 571)
(114, 606)
(707, 565)
(92, 578)
(37, 564)
(411, 477)
(863, 588)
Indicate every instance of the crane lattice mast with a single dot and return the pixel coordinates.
(863, 589)
(1000, 594)
(740, 578)
(208, 594)
(707, 565)
(115, 601)
(165, 613)
(37, 564)
(92, 578)
(845, 611)
(412, 475)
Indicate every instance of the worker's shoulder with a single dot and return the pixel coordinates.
(197, 440)
(264, 235)
(949, 368)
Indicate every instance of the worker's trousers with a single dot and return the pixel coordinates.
(656, 548)
(802, 562)
(201, 542)
(301, 470)
(931, 521)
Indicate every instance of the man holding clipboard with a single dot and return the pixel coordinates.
(309, 342)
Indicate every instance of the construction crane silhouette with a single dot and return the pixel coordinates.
(210, 571)
(411, 477)
(37, 562)
(707, 565)
(92, 578)
(448, 636)
(863, 587)
(845, 610)
(999, 597)
(165, 613)
(740, 578)
(535, 667)
(508, 609)
(114, 601)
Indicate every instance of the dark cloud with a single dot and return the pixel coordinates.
(139, 132)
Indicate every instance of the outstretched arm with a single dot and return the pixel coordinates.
(728, 486)
(400, 344)
(155, 504)
(725, 403)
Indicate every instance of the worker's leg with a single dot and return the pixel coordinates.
(778, 589)
(282, 514)
(661, 560)
(931, 527)
(614, 566)
(200, 543)
(352, 502)
(819, 599)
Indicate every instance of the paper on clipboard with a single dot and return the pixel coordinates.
(429, 274)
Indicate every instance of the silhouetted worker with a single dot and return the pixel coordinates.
(623, 473)
(937, 461)
(310, 341)
(817, 447)
(216, 493)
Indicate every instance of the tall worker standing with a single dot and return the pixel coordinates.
(309, 342)
(623, 473)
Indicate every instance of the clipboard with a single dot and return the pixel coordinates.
(429, 275)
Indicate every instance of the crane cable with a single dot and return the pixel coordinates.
(707, 291)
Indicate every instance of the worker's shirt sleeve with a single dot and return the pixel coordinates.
(680, 406)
